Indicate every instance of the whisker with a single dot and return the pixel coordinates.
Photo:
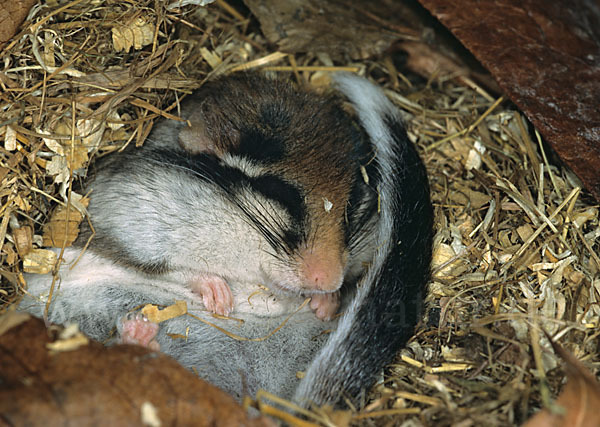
(260, 214)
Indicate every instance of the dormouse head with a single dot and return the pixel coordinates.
(291, 165)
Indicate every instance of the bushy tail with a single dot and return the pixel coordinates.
(383, 313)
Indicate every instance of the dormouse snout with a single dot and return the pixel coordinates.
(322, 269)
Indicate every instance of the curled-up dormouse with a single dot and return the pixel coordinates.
(255, 201)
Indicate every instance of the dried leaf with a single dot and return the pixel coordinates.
(39, 261)
(103, 386)
(441, 255)
(48, 53)
(53, 144)
(578, 403)
(478, 199)
(473, 160)
(587, 215)
(137, 34)
(77, 157)
(12, 13)
(71, 153)
(57, 167)
(92, 131)
(59, 232)
(525, 231)
(23, 237)
(22, 203)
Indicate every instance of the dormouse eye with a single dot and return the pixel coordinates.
(285, 194)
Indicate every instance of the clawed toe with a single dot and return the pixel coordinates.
(135, 328)
(216, 294)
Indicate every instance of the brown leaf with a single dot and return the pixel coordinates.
(58, 230)
(545, 56)
(580, 398)
(96, 385)
(12, 13)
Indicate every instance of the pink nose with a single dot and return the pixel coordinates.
(322, 271)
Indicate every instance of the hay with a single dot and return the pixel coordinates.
(516, 249)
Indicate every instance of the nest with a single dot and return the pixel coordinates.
(515, 250)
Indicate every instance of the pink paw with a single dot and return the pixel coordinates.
(325, 305)
(138, 330)
(216, 294)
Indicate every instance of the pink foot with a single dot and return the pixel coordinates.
(216, 294)
(325, 305)
(137, 329)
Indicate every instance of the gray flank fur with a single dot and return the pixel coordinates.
(239, 367)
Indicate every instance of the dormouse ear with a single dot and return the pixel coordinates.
(194, 138)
